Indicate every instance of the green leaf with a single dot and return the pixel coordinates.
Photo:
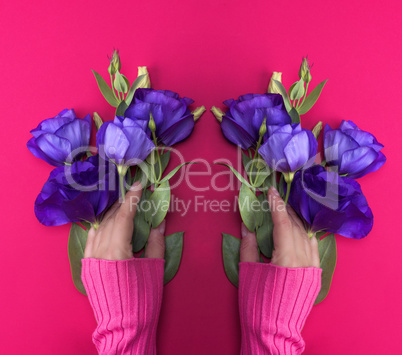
(328, 254)
(147, 170)
(134, 86)
(121, 108)
(121, 83)
(105, 90)
(76, 246)
(258, 171)
(160, 200)
(174, 171)
(141, 226)
(298, 90)
(265, 231)
(284, 94)
(292, 87)
(312, 98)
(247, 162)
(173, 251)
(249, 207)
(236, 173)
(294, 115)
(231, 257)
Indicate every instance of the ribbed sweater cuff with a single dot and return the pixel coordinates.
(126, 297)
(274, 303)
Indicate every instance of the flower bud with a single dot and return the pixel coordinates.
(218, 113)
(146, 81)
(272, 87)
(263, 127)
(115, 64)
(197, 113)
(304, 71)
(151, 123)
(98, 120)
(317, 129)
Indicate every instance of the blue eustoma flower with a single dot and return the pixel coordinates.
(80, 192)
(352, 151)
(173, 119)
(61, 139)
(124, 141)
(289, 148)
(242, 122)
(329, 202)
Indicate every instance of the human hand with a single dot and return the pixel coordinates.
(293, 247)
(112, 239)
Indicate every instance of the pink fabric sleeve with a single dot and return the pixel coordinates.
(126, 298)
(274, 303)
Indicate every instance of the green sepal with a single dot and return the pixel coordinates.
(328, 255)
(141, 225)
(312, 98)
(105, 90)
(231, 257)
(134, 86)
(173, 252)
(76, 246)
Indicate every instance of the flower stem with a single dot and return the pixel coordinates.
(122, 188)
(113, 89)
(301, 102)
(288, 178)
(158, 157)
(287, 193)
(252, 163)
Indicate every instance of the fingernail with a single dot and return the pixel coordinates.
(244, 230)
(274, 191)
(134, 186)
(162, 227)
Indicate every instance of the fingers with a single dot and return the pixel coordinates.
(315, 255)
(88, 252)
(248, 246)
(280, 218)
(156, 242)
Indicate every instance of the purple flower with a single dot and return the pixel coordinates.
(352, 151)
(80, 192)
(332, 203)
(289, 148)
(124, 141)
(61, 139)
(173, 119)
(242, 122)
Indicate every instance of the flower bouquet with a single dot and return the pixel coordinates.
(133, 147)
(277, 151)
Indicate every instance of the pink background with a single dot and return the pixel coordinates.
(210, 51)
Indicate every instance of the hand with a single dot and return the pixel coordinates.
(293, 247)
(112, 239)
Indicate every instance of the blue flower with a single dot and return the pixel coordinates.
(61, 139)
(352, 151)
(242, 122)
(173, 119)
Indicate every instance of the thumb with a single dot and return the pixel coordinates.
(156, 242)
(248, 246)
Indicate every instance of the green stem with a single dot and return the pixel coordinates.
(252, 163)
(287, 193)
(122, 188)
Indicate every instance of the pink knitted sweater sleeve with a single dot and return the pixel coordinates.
(274, 303)
(126, 298)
